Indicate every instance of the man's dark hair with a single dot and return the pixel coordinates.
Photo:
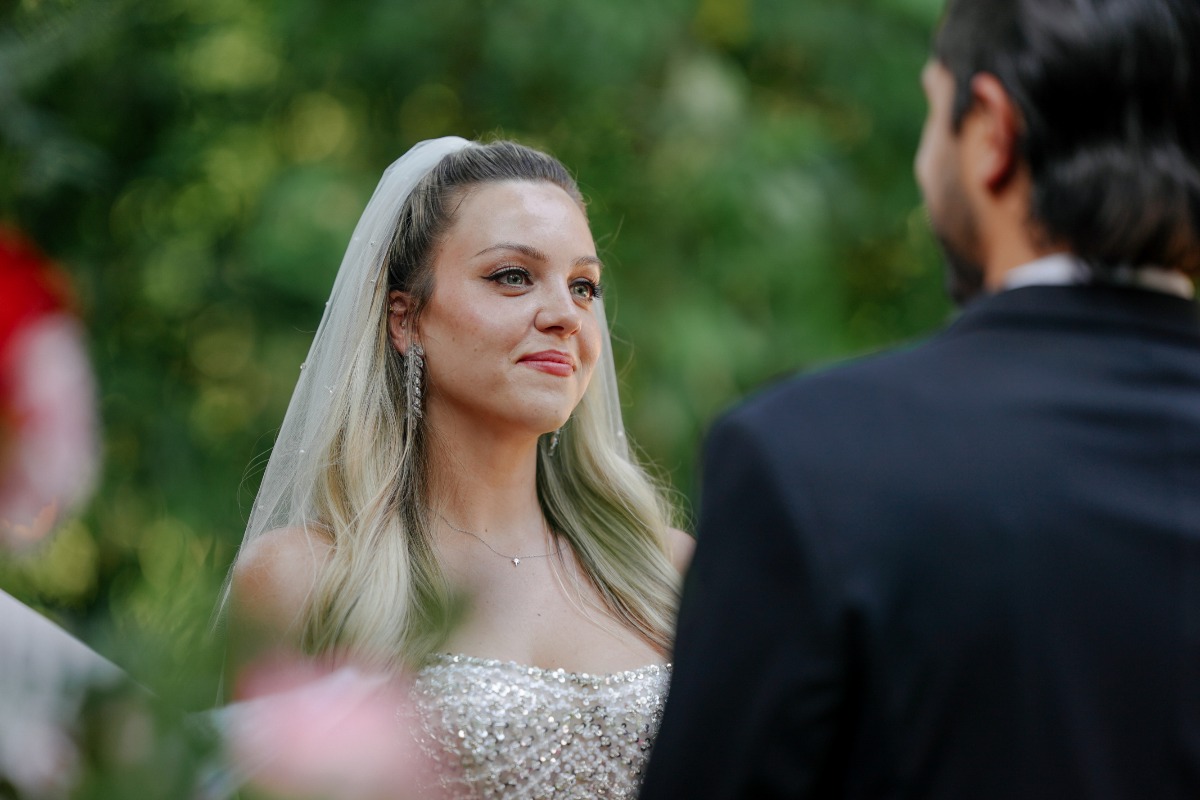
(1109, 94)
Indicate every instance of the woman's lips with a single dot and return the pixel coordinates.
(553, 362)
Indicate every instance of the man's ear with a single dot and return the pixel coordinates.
(399, 324)
(996, 126)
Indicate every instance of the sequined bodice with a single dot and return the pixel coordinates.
(499, 729)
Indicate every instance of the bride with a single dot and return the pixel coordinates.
(454, 453)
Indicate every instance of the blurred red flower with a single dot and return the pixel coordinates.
(48, 449)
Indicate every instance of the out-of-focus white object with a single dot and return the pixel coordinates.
(44, 675)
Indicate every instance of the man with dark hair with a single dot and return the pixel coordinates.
(972, 569)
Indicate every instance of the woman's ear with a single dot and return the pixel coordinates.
(399, 305)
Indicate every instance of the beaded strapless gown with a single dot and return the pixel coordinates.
(498, 729)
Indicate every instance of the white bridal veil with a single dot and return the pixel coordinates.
(354, 309)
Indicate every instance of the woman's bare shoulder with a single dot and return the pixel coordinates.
(680, 546)
(275, 574)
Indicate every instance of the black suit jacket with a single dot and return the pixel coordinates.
(967, 570)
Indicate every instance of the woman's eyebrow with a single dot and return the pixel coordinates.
(538, 255)
(524, 249)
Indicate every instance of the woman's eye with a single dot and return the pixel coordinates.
(510, 277)
(585, 290)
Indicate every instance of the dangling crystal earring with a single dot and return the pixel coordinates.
(414, 372)
(554, 442)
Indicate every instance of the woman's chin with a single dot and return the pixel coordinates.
(542, 418)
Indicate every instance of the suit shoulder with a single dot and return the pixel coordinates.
(856, 383)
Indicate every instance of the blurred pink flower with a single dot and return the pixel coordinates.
(342, 734)
(50, 459)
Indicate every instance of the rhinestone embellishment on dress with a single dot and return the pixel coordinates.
(498, 729)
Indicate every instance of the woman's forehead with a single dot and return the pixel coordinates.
(539, 218)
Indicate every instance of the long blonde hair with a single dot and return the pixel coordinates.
(382, 597)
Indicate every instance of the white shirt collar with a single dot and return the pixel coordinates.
(1064, 269)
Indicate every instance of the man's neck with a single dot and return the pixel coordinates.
(1013, 251)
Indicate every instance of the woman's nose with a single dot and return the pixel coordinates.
(558, 312)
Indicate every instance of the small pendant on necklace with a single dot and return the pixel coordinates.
(516, 561)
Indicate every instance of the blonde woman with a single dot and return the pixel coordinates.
(455, 441)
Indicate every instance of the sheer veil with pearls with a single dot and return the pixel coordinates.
(360, 289)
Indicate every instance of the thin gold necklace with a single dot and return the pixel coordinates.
(516, 560)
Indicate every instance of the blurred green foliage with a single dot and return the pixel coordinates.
(197, 167)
